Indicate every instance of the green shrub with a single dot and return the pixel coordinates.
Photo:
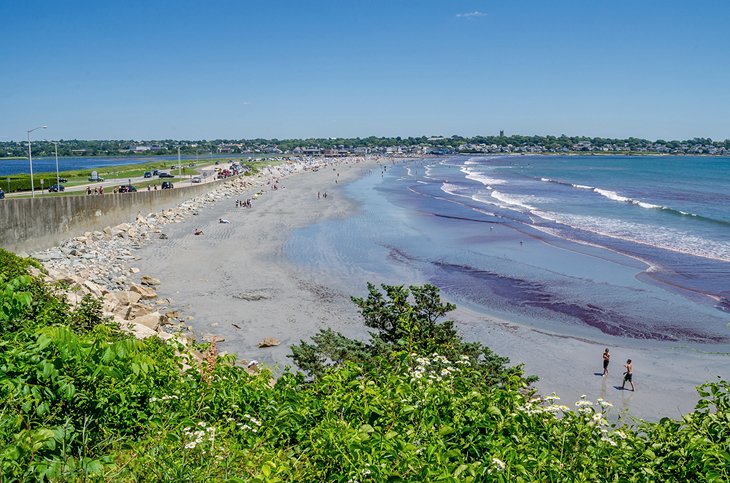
(80, 400)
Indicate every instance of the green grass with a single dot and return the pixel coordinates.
(21, 182)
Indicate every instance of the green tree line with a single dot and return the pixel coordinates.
(191, 147)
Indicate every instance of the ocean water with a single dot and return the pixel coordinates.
(597, 246)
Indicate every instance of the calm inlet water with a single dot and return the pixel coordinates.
(631, 247)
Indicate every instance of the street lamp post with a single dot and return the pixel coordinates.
(179, 165)
(58, 178)
(30, 160)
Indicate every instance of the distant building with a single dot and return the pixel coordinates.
(501, 133)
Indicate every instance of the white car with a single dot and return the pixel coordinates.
(196, 179)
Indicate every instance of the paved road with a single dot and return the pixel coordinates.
(207, 175)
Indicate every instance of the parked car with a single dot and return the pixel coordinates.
(62, 180)
(147, 174)
(127, 188)
(98, 178)
(56, 188)
(196, 179)
(2, 194)
(166, 185)
(162, 174)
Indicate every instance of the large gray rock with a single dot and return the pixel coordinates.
(146, 292)
(138, 310)
(127, 297)
(151, 320)
(269, 342)
(149, 281)
(93, 289)
(140, 331)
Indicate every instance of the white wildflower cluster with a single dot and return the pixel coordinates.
(584, 406)
(605, 436)
(598, 419)
(198, 434)
(254, 425)
(613, 437)
(163, 398)
(498, 464)
(535, 406)
(435, 367)
(593, 414)
(365, 472)
(603, 403)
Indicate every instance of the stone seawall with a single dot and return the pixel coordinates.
(30, 224)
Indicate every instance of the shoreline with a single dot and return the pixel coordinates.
(236, 283)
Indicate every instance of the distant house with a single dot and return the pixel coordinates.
(230, 148)
(335, 152)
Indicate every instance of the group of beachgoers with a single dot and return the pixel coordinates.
(97, 190)
(628, 373)
(243, 203)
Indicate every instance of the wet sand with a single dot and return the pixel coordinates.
(236, 282)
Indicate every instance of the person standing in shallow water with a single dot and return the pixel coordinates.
(628, 375)
(606, 359)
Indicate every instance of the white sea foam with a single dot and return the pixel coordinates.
(482, 178)
(454, 190)
(512, 200)
(484, 197)
(485, 212)
(651, 235)
(612, 195)
(579, 186)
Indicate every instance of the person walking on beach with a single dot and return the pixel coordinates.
(628, 374)
(606, 359)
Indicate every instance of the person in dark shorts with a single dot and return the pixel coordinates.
(628, 375)
(606, 359)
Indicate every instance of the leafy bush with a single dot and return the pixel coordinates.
(405, 319)
(80, 400)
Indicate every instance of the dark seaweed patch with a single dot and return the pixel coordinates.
(519, 293)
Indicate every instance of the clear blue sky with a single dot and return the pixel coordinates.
(194, 69)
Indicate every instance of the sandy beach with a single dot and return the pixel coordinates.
(236, 282)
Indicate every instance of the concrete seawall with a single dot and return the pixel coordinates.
(37, 223)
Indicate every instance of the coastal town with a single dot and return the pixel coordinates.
(336, 147)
